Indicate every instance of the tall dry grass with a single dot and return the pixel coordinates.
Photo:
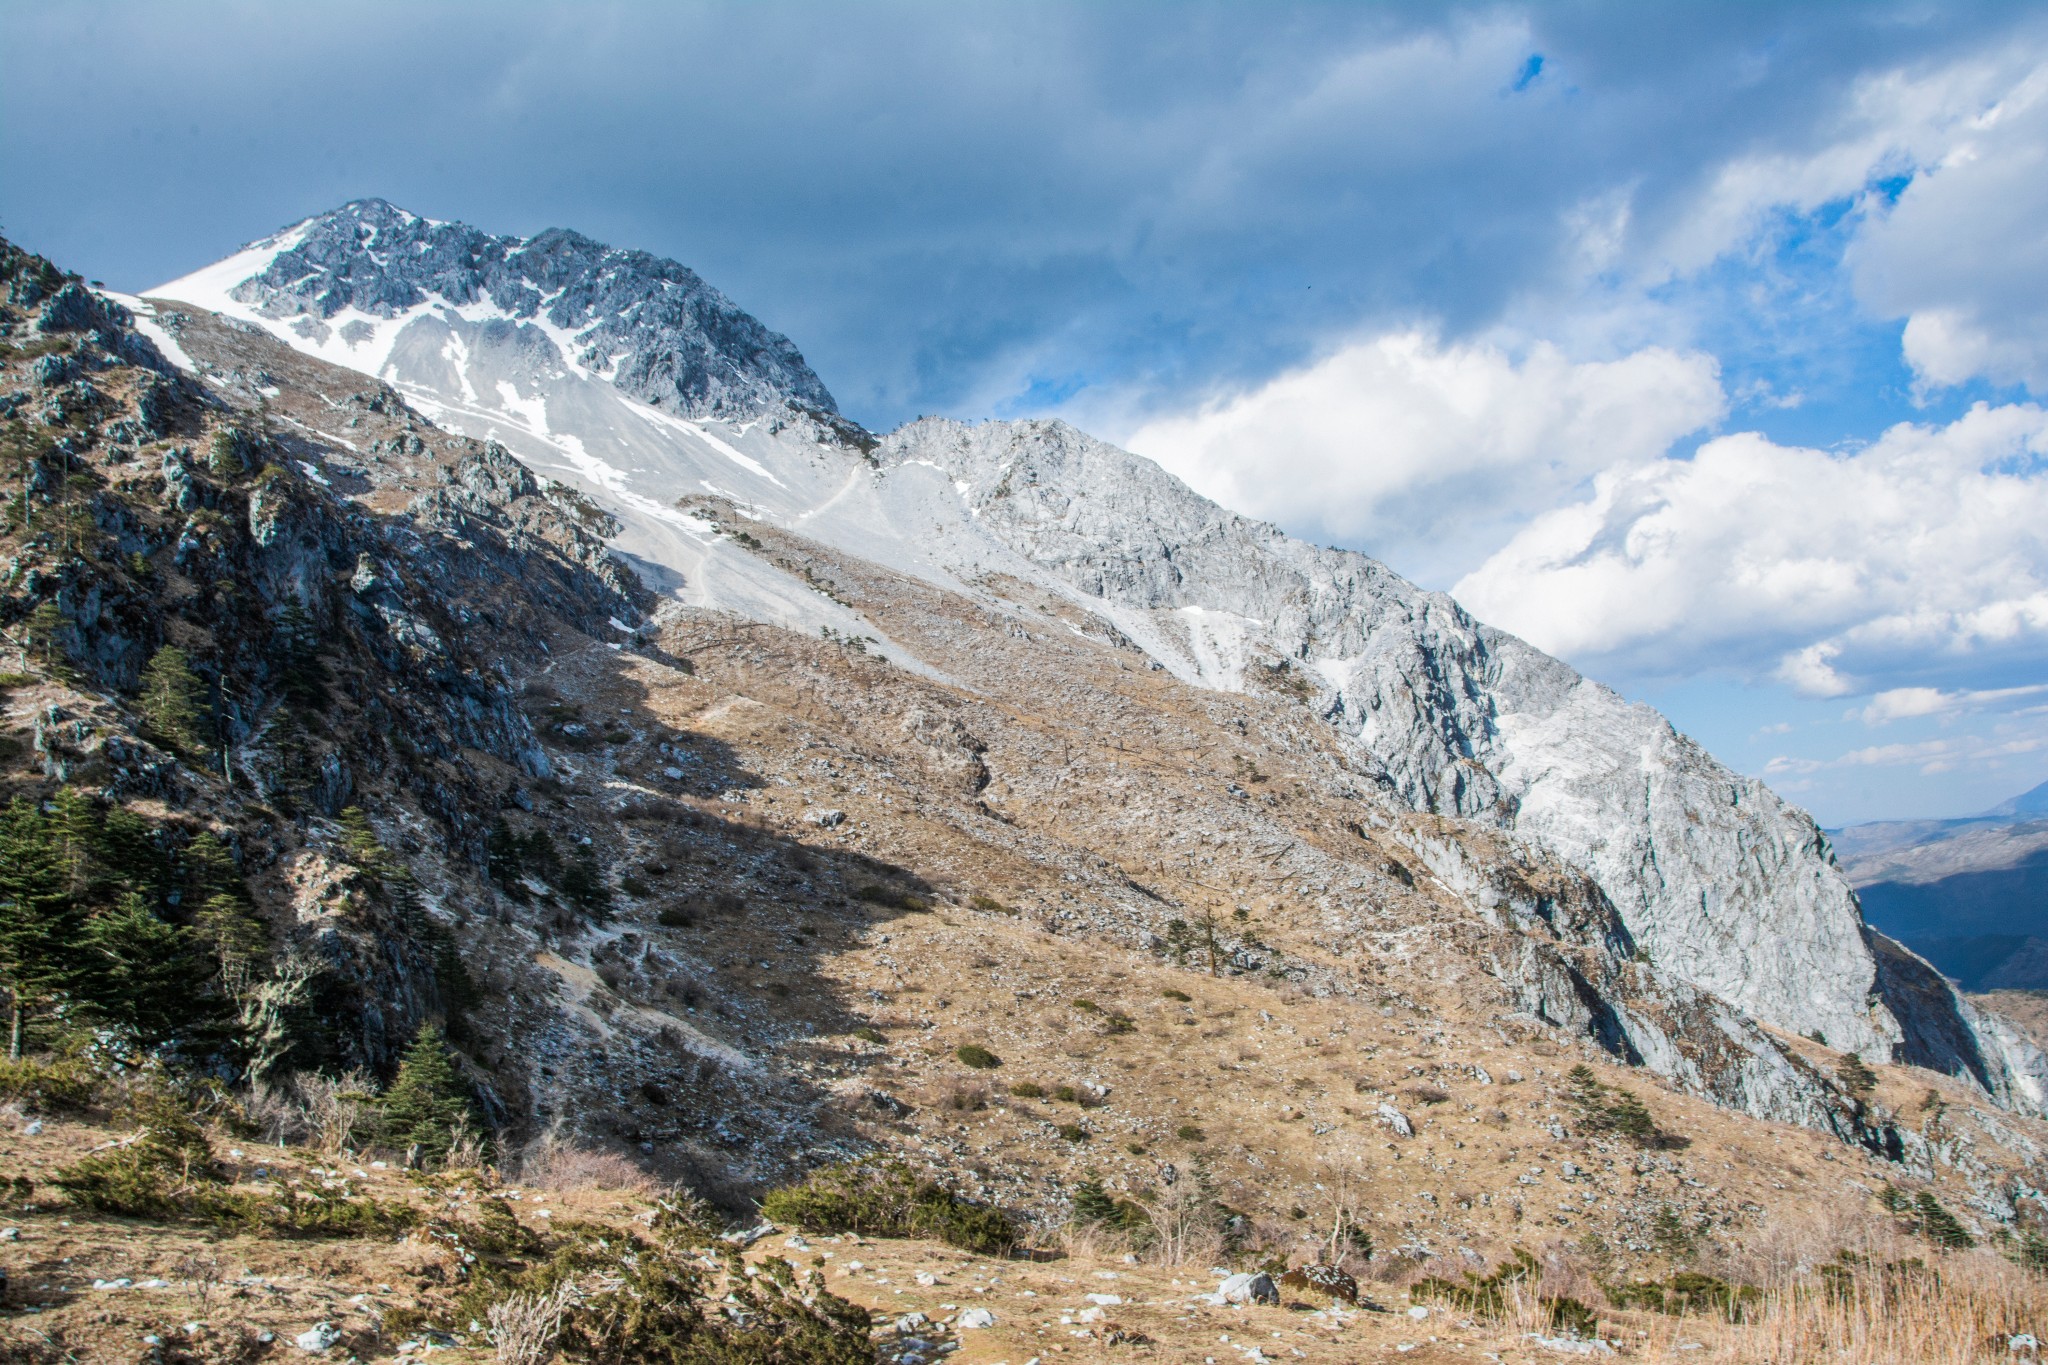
(1846, 1290)
(1961, 1309)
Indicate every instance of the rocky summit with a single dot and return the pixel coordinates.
(481, 721)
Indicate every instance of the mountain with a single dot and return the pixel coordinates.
(1970, 895)
(2029, 804)
(744, 792)
(1716, 880)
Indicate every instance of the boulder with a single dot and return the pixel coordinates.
(1252, 1287)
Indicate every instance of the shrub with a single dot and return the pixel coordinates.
(1493, 1295)
(48, 1087)
(1188, 1132)
(1938, 1225)
(990, 904)
(978, 1057)
(870, 1035)
(1857, 1078)
(1073, 1132)
(885, 1199)
(589, 1294)
(1095, 1206)
(1087, 1006)
(1604, 1109)
(1182, 996)
(1066, 1094)
(893, 898)
(1027, 1090)
(1687, 1291)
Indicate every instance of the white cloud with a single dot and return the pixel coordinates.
(1906, 703)
(1838, 572)
(1429, 454)
(1962, 255)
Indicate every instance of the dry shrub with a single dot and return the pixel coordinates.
(1093, 1241)
(1184, 1229)
(556, 1161)
(964, 1097)
(327, 1113)
(524, 1327)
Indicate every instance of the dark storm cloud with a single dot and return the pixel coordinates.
(950, 208)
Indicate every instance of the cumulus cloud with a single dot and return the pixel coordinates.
(1428, 453)
(1839, 572)
(1961, 255)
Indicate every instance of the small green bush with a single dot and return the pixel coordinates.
(1073, 1132)
(978, 1057)
(1494, 1295)
(1182, 996)
(990, 904)
(1066, 1094)
(885, 1199)
(1605, 1109)
(48, 1087)
(1095, 1206)
(870, 1035)
(1027, 1090)
(1687, 1291)
(1087, 1006)
(1188, 1132)
(893, 898)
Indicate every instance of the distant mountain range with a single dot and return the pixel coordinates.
(1969, 895)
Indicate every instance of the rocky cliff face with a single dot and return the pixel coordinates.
(1718, 884)
(649, 325)
(1716, 878)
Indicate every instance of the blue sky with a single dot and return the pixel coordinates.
(1701, 344)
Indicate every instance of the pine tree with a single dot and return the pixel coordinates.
(1856, 1077)
(428, 1101)
(40, 961)
(173, 701)
(148, 974)
(226, 923)
(302, 675)
(44, 639)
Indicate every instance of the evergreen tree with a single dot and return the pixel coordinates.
(173, 701)
(147, 974)
(428, 1101)
(40, 961)
(44, 639)
(226, 923)
(302, 675)
(583, 883)
(360, 845)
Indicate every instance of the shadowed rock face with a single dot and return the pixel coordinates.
(661, 333)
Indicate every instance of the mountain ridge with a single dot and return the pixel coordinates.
(1715, 877)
